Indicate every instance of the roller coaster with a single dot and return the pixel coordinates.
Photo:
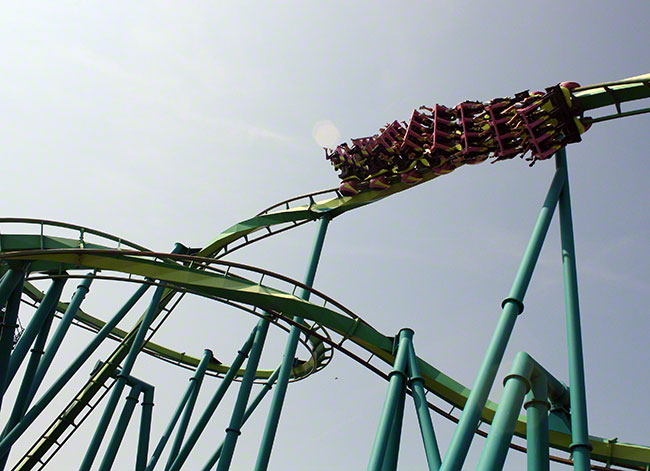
(436, 141)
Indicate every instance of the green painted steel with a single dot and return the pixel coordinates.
(9, 281)
(394, 396)
(273, 419)
(249, 411)
(214, 403)
(58, 385)
(196, 382)
(537, 407)
(416, 382)
(580, 446)
(392, 447)
(608, 93)
(122, 423)
(516, 385)
(44, 310)
(512, 307)
(234, 428)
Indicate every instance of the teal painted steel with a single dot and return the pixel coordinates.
(392, 447)
(214, 403)
(394, 396)
(537, 441)
(59, 333)
(145, 429)
(196, 381)
(136, 346)
(44, 310)
(275, 410)
(416, 382)
(120, 428)
(249, 411)
(234, 428)
(23, 398)
(10, 323)
(8, 283)
(51, 393)
(580, 447)
(512, 307)
(516, 384)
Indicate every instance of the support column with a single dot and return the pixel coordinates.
(234, 428)
(422, 408)
(118, 387)
(13, 278)
(580, 447)
(214, 403)
(145, 429)
(58, 385)
(273, 418)
(394, 396)
(512, 307)
(516, 385)
(195, 380)
(120, 428)
(537, 408)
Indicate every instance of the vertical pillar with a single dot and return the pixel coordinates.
(422, 408)
(512, 307)
(273, 418)
(145, 429)
(392, 447)
(537, 424)
(394, 396)
(196, 381)
(580, 447)
(120, 429)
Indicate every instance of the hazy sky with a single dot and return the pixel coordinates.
(170, 121)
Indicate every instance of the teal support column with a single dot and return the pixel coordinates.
(392, 447)
(59, 333)
(9, 323)
(234, 428)
(512, 307)
(45, 309)
(58, 385)
(145, 429)
(422, 409)
(120, 428)
(214, 403)
(394, 395)
(196, 381)
(8, 283)
(277, 402)
(22, 399)
(517, 384)
(580, 446)
(537, 408)
(249, 411)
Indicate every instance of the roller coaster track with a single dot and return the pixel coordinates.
(204, 275)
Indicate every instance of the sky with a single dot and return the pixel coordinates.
(170, 121)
